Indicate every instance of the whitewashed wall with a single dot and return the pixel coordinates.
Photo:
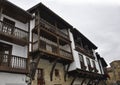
(12, 79)
(17, 23)
(17, 49)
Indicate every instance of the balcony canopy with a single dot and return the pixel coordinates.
(14, 11)
(50, 16)
(77, 35)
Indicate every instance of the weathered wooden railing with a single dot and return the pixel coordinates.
(46, 25)
(15, 32)
(13, 63)
(51, 48)
(83, 50)
(65, 54)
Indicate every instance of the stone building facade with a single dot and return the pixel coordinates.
(114, 72)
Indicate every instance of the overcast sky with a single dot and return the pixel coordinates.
(98, 20)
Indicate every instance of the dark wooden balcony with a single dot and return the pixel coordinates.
(84, 51)
(51, 49)
(51, 28)
(13, 64)
(13, 34)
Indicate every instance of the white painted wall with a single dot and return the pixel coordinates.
(17, 23)
(17, 49)
(12, 79)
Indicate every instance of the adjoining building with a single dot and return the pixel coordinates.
(114, 73)
(14, 41)
(88, 66)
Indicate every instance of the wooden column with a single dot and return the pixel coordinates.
(58, 44)
(28, 56)
(38, 28)
(1, 10)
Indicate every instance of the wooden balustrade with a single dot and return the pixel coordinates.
(11, 63)
(83, 50)
(14, 32)
(65, 54)
(52, 49)
(46, 25)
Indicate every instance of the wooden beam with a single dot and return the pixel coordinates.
(65, 75)
(34, 67)
(83, 81)
(28, 46)
(97, 83)
(89, 81)
(38, 28)
(52, 70)
(73, 80)
(1, 10)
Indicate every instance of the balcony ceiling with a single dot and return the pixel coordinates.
(50, 16)
(15, 12)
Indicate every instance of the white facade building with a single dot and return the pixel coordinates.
(14, 38)
(86, 68)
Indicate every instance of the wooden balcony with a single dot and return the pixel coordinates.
(51, 28)
(13, 64)
(13, 34)
(52, 50)
(84, 51)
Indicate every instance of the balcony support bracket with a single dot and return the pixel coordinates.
(34, 65)
(89, 81)
(75, 77)
(53, 67)
(83, 81)
(66, 71)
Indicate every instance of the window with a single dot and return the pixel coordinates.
(81, 58)
(40, 77)
(88, 61)
(57, 73)
(83, 67)
(5, 50)
(8, 27)
(94, 65)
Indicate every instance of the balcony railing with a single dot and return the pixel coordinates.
(83, 50)
(46, 25)
(52, 49)
(13, 32)
(11, 63)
